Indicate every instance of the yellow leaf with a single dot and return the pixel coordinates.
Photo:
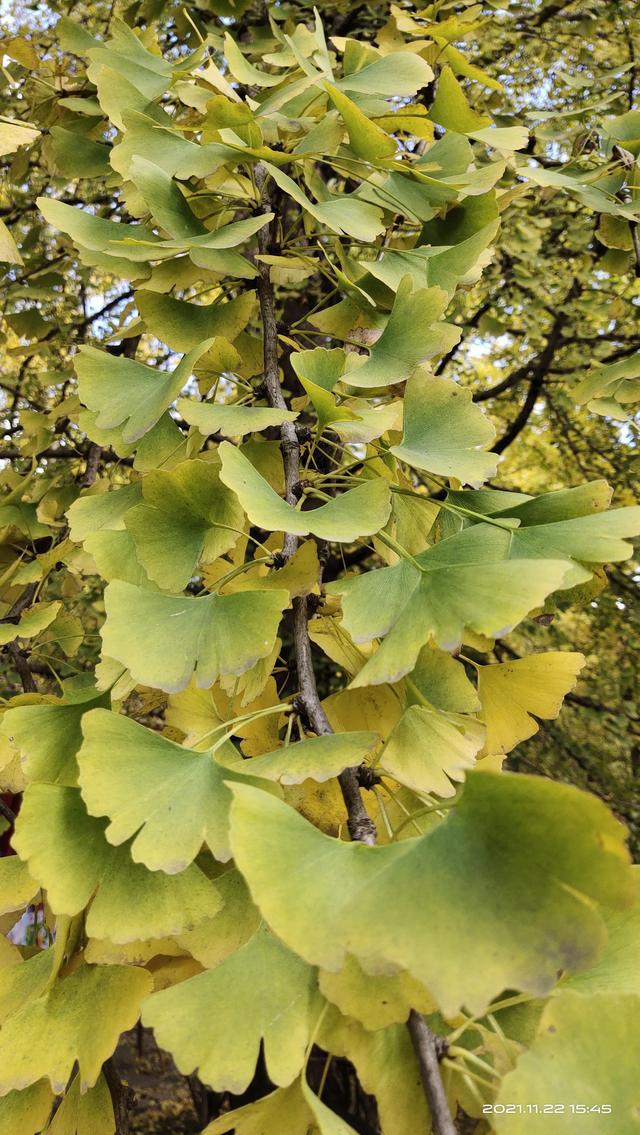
(511, 692)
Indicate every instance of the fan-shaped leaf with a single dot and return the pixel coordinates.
(212, 635)
(262, 993)
(522, 878)
(358, 512)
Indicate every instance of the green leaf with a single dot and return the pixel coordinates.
(342, 214)
(92, 232)
(317, 758)
(183, 326)
(69, 856)
(244, 71)
(508, 138)
(218, 936)
(218, 634)
(445, 432)
(172, 800)
(103, 508)
(48, 736)
(585, 1053)
(426, 752)
(282, 1110)
(442, 681)
(34, 620)
(128, 394)
(76, 156)
(513, 869)
(366, 139)
(386, 1067)
(24, 981)
(26, 1112)
(400, 73)
(230, 420)
(358, 512)
(17, 888)
(114, 554)
(88, 1113)
(451, 109)
(465, 581)
(374, 1001)
(511, 692)
(86, 1012)
(617, 970)
(186, 517)
(127, 55)
(214, 1023)
(412, 335)
(9, 252)
(165, 201)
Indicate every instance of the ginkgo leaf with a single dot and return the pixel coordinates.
(442, 680)
(317, 758)
(386, 1067)
(102, 509)
(413, 334)
(182, 325)
(212, 634)
(170, 799)
(164, 200)
(128, 394)
(548, 508)
(342, 214)
(428, 753)
(282, 1110)
(114, 554)
(585, 1053)
(465, 584)
(85, 1113)
(220, 935)
(445, 432)
(394, 74)
(89, 231)
(14, 134)
(186, 516)
(230, 420)
(366, 139)
(26, 1112)
(374, 1001)
(17, 887)
(524, 880)
(48, 735)
(86, 1012)
(617, 970)
(24, 981)
(598, 538)
(68, 855)
(261, 994)
(513, 693)
(34, 620)
(358, 512)
(9, 254)
(451, 109)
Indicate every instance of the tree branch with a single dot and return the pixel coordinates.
(538, 371)
(5, 811)
(429, 1050)
(361, 826)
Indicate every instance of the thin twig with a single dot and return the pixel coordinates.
(5, 811)
(430, 1050)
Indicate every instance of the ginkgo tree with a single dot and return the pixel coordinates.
(256, 594)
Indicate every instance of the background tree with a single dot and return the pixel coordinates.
(320, 366)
